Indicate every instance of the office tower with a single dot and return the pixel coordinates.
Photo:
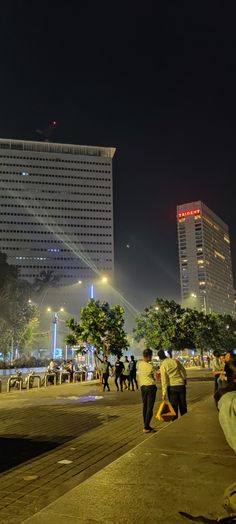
(56, 209)
(205, 259)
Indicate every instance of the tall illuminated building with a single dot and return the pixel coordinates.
(56, 209)
(205, 259)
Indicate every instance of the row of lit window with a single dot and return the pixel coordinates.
(60, 192)
(52, 250)
(75, 169)
(48, 177)
(78, 226)
(62, 233)
(32, 199)
(67, 161)
(29, 207)
(53, 223)
(68, 267)
(61, 258)
(63, 276)
(47, 183)
(54, 241)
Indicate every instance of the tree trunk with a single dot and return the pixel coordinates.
(202, 359)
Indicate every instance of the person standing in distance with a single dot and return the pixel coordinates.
(105, 371)
(125, 374)
(133, 372)
(173, 382)
(119, 366)
(146, 377)
(217, 367)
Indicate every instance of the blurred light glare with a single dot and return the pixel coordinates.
(104, 280)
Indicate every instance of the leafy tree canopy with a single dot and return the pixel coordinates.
(102, 326)
(166, 325)
(16, 313)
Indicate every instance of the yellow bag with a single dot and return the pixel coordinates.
(165, 412)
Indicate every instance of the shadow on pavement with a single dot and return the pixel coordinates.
(51, 426)
(15, 450)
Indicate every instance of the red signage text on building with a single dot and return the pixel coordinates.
(189, 213)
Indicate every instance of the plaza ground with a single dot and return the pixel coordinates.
(55, 438)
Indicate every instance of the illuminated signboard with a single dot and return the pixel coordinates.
(189, 213)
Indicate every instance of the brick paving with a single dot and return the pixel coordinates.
(41, 428)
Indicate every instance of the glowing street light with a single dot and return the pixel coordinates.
(104, 280)
(193, 295)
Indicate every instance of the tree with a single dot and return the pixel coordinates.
(168, 326)
(161, 326)
(101, 326)
(15, 310)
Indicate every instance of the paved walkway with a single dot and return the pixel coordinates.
(73, 423)
(184, 467)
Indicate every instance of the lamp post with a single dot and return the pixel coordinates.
(55, 329)
(193, 295)
(104, 280)
(204, 304)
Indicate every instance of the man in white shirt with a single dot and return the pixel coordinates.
(173, 382)
(148, 388)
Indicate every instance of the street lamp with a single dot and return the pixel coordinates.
(55, 329)
(104, 280)
(193, 295)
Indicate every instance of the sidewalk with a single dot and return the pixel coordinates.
(185, 466)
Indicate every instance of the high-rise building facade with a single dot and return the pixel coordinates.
(56, 209)
(205, 259)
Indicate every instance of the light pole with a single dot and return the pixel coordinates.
(55, 329)
(104, 280)
(204, 304)
(193, 295)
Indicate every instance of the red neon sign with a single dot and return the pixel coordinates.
(189, 213)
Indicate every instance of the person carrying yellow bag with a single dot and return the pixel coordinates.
(173, 382)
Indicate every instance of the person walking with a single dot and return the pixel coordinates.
(119, 367)
(106, 365)
(125, 374)
(148, 388)
(173, 381)
(217, 367)
(133, 373)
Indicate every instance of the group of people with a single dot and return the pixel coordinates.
(173, 381)
(125, 373)
(222, 369)
(54, 368)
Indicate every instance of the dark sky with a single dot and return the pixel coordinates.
(157, 80)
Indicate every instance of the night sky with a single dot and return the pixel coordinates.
(157, 80)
